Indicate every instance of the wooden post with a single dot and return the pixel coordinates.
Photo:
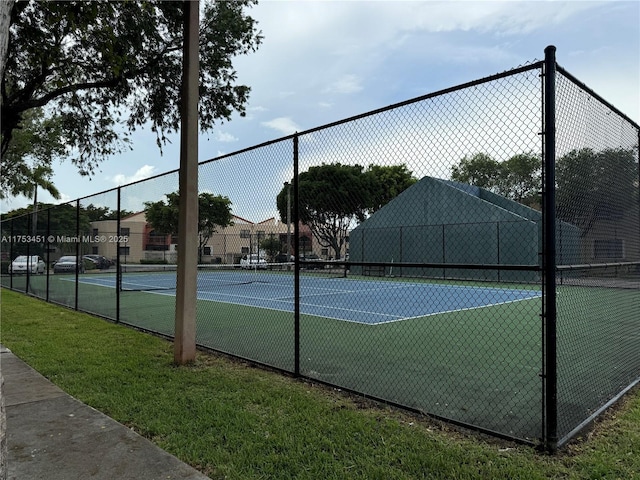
(184, 350)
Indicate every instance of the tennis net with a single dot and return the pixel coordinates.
(141, 277)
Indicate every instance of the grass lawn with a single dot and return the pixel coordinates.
(230, 420)
(479, 366)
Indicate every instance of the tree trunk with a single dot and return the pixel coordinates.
(5, 19)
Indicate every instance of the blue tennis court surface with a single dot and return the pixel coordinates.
(370, 302)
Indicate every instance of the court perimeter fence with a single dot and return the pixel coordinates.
(510, 306)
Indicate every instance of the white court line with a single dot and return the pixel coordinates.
(393, 318)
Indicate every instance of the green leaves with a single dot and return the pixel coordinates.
(593, 186)
(102, 65)
(518, 178)
(213, 211)
(334, 196)
(27, 164)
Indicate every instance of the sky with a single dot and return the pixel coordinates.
(322, 61)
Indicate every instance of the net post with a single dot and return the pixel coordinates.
(550, 380)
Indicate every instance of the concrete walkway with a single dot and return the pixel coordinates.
(52, 436)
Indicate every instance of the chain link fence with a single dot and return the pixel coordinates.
(401, 254)
(598, 296)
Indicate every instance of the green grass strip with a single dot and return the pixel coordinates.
(230, 420)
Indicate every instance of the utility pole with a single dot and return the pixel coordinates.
(184, 349)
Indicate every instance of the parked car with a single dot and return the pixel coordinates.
(284, 258)
(100, 261)
(253, 261)
(68, 264)
(30, 264)
(315, 262)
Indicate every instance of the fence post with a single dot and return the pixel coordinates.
(184, 346)
(48, 252)
(118, 271)
(79, 262)
(550, 413)
(11, 250)
(498, 246)
(296, 265)
(11, 222)
(28, 273)
(638, 266)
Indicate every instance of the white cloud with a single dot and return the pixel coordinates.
(317, 57)
(345, 84)
(283, 125)
(64, 198)
(143, 172)
(225, 137)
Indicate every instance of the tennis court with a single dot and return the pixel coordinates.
(326, 295)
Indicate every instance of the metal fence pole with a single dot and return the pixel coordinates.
(118, 272)
(296, 268)
(549, 253)
(13, 220)
(638, 267)
(48, 252)
(28, 274)
(78, 256)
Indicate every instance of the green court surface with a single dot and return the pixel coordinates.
(480, 366)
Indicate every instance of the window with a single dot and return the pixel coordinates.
(244, 250)
(245, 233)
(157, 238)
(206, 251)
(124, 231)
(123, 251)
(94, 250)
(95, 232)
(610, 249)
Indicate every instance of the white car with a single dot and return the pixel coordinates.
(253, 261)
(27, 264)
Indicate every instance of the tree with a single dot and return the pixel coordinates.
(594, 186)
(518, 178)
(521, 180)
(27, 162)
(107, 68)
(271, 245)
(387, 182)
(96, 214)
(332, 197)
(64, 220)
(213, 211)
(480, 170)
(5, 18)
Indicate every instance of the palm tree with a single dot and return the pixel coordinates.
(40, 176)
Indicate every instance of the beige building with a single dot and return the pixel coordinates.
(138, 241)
(130, 240)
